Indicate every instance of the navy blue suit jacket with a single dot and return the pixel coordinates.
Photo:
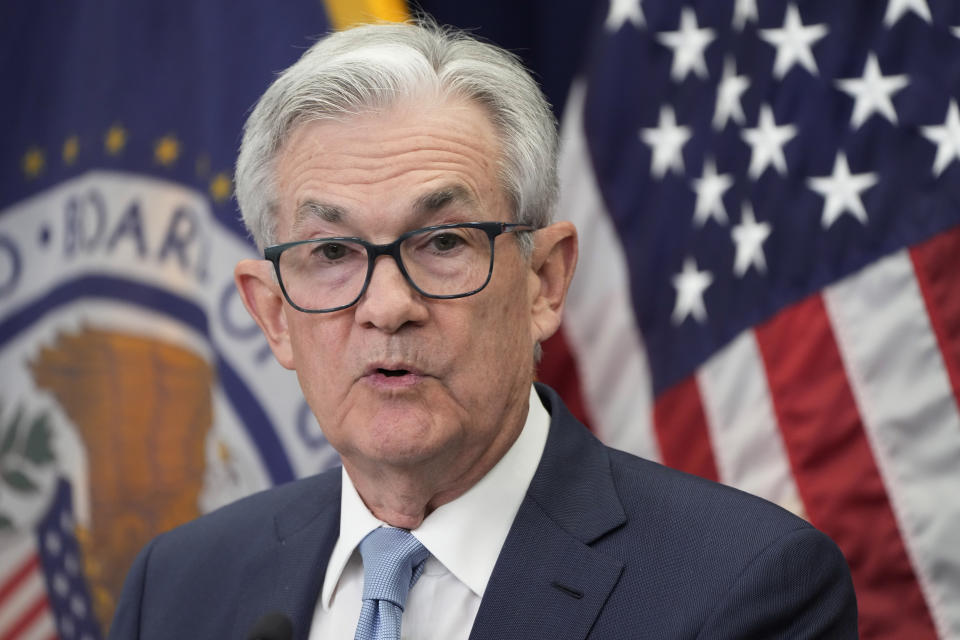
(605, 545)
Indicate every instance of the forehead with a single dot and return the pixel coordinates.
(391, 167)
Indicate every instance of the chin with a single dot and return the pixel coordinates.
(398, 432)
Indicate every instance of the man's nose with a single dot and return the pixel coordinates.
(390, 301)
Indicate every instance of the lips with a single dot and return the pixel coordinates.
(392, 375)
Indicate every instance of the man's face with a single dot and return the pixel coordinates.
(400, 379)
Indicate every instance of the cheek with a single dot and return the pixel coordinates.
(318, 349)
(501, 340)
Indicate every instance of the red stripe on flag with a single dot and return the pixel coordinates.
(21, 574)
(30, 615)
(681, 428)
(937, 265)
(835, 472)
(558, 368)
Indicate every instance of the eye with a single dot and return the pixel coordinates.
(331, 250)
(445, 241)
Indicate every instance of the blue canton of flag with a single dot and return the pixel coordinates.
(780, 155)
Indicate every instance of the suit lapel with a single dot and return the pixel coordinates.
(549, 581)
(546, 584)
(286, 573)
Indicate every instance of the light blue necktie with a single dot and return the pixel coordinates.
(392, 562)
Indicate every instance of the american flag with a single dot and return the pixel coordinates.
(768, 197)
(43, 593)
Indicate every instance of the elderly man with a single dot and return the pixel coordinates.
(400, 180)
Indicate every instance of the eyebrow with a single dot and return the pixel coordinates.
(310, 210)
(437, 200)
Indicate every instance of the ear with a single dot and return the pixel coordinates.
(262, 297)
(552, 264)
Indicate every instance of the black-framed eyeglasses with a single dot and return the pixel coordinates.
(444, 261)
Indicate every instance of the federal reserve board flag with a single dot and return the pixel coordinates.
(136, 391)
(768, 197)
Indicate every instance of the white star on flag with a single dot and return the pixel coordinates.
(767, 140)
(622, 11)
(749, 237)
(793, 42)
(955, 31)
(729, 91)
(744, 11)
(666, 140)
(690, 285)
(841, 192)
(872, 93)
(688, 44)
(896, 9)
(710, 189)
(947, 139)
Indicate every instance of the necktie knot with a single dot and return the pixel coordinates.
(393, 560)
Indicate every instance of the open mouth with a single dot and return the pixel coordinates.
(393, 373)
(393, 378)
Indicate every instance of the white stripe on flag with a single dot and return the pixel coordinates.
(900, 383)
(16, 549)
(599, 323)
(747, 444)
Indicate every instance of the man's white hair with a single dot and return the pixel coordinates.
(373, 67)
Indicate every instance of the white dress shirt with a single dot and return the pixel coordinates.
(464, 538)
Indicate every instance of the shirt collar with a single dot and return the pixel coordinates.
(465, 535)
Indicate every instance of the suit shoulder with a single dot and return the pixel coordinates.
(192, 578)
(254, 515)
(645, 485)
(685, 517)
(721, 551)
